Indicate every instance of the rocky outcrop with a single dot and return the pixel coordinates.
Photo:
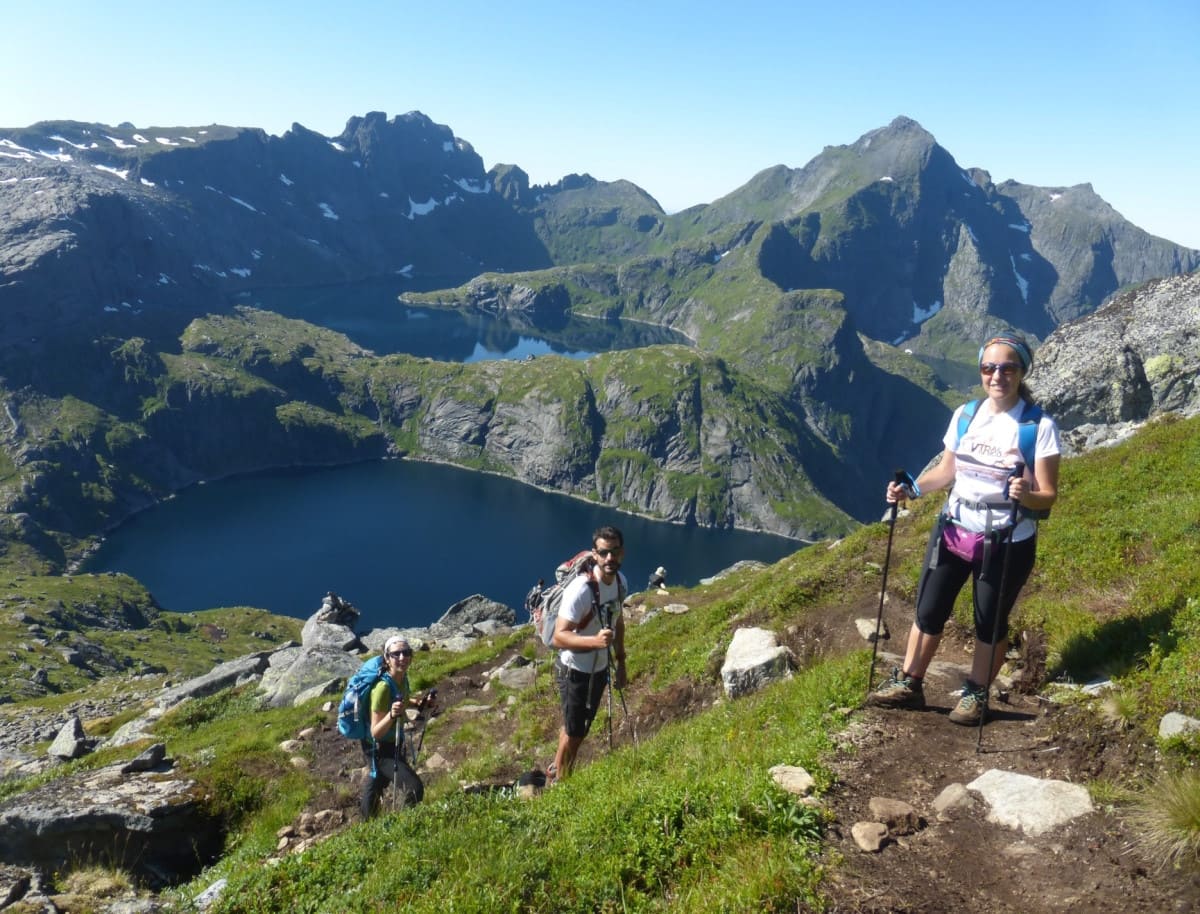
(165, 835)
(1136, 358)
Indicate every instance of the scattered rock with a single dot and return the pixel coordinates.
(150, 759)
(869, 836)
(1032, 805)
(1176, 724)
(795, 780)
(899, 817)
(866, 628)
(755, 657)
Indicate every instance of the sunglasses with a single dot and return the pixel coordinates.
(405, 652)
(605, 553)
(1008, 369)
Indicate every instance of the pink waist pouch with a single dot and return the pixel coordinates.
(966, 545)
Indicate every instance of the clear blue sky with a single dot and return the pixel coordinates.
(687, 100)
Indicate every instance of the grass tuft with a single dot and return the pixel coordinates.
(1166, 816)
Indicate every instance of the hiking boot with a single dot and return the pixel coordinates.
(969, 709)
(899, 691)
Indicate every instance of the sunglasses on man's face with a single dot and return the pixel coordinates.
(605, 553)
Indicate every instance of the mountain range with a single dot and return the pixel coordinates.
(834, 310)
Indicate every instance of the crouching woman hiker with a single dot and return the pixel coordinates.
(992, 510)
(384, 750)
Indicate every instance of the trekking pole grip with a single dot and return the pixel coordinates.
(1018, 471)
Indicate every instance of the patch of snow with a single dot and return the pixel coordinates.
(63, 139)
(1026, 256)
(966, 177)
(165, 280)
(1023, 227)
(165, 141)
(921, 315)
(285, 180)
(241, 202)
(191, 139)
(27, 156)
(357, 164)
(406, 270)
(146, 183)
(120, 143)
(336, 145)
(327, 211)
(908, 352)
(59, 156)
(1054, 197)
(971, 232)
(887, 179)
(384, 194)
(138, 138)
(240, 271)
(256, 254)
(1022, 282)
(473, 187)
(123, 175)
(448, 146)
(421, 209)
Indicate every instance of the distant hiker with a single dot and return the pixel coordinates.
(990, 511)
(658, 579)
(384, 749)
(533, 599)
(589, 630)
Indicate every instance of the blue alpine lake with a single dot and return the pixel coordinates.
(401, 540)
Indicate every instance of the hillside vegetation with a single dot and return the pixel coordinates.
(687, 817)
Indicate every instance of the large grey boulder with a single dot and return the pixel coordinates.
(294, 671)
(71, 742)
(465, 616)
(149, 823)
(223, 676)
(755, 658)
(318, 634)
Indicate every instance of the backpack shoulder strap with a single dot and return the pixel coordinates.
(965, 418)
(1028, 429)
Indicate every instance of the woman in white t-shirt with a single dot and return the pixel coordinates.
(991, 511)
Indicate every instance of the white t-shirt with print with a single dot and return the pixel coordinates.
(576, 601)
(984, 458)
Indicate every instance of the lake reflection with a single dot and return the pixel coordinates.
(401, 540)
(371, 316)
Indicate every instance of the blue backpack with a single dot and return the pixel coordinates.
(1026, 439)
(354, 712)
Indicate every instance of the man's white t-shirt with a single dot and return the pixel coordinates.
(576, 602)
(983, 459)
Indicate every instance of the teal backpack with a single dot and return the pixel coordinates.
(1026, 440)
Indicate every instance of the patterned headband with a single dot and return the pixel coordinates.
(1017, 345)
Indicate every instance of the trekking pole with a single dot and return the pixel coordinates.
(901, 479)
(396, 761)
(429, 696)
(1017, 471)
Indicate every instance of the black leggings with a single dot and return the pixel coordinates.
(409, 786)
(945, 574)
